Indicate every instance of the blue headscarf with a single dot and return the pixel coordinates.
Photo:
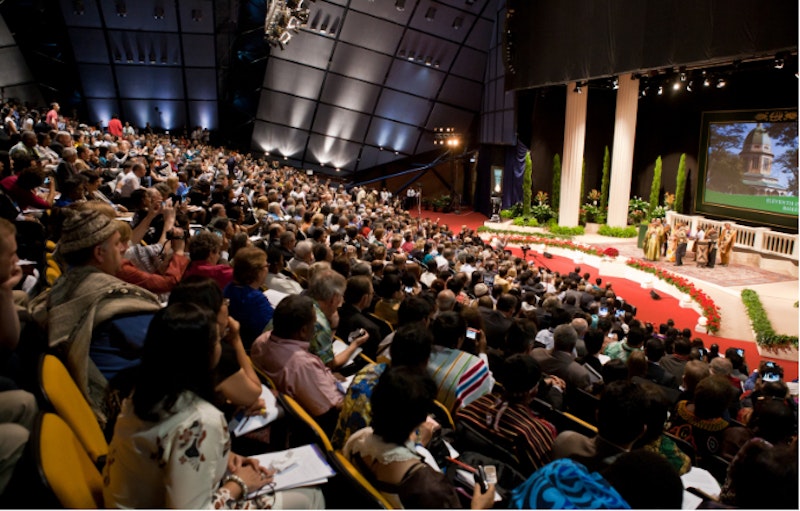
(566, 484)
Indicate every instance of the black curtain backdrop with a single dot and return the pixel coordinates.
(569, 40)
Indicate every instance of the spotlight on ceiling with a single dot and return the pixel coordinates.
(660, 90)
(122, 9)
(779, 62)
(436, 64)
(615, 83)
(402, 54)
(676, 85)
(430, 13)
(578, 89)
(458, 22)
(78, 7)
(721, 83)
(400, 5)
(428, 60)
(706, 82)
(689, 86)
(411, 56)
(197, 14)
(158, 12)
(683, 77)
(152, 57)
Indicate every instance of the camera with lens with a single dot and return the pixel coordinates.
(172, 236)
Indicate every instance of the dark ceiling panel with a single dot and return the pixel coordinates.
(89, 17)
(422, 45)
(204, 23)
(384, 9)
(279, 108)
(332, 152)
(402, 107)
(414, 78)
(90, 45)
(369, 157)
(169, 114)
(307, 48)
(349, 93)
(442, 21)
(463, 93)
(98, 82)
(145, 82)
(393, 135)
(470, 64)
(139, 15)
(201, 84)
(293, 78)
(481, 35)
(279, 140)
(444, 115)
(474, 7)
(360, 63)
(362, 30)
(340, 123)
(141, 47)
(198, 50)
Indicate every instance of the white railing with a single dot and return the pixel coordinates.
(758, 239)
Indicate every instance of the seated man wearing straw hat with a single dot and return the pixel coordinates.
(93, 318)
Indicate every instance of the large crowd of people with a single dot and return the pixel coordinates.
(177, 264)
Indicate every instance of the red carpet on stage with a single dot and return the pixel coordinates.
(648, 310)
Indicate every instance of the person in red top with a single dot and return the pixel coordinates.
(52, 116)
(204, 251)
(21, 189)
(157, 283)
(115, 126)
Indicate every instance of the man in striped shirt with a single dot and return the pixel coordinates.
(506, 420)
(460, 377)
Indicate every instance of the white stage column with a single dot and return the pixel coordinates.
(622, 152)
(574, 138)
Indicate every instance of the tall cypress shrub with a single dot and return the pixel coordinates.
(655, 187)
(604, 183)
(680, 185)
(527, 186)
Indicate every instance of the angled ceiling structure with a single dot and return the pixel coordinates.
(146, 60)
(367, 81)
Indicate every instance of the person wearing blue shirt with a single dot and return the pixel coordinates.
(248, 305)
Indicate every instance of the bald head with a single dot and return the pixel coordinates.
(445, 300)
(581, 326)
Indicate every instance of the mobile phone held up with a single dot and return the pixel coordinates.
(472, 334)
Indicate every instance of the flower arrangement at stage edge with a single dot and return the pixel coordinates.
(637, 210)
(710, 309)
(542, 211)
(590, 212)
(611, 252)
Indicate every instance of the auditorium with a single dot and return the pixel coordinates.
(582, 215)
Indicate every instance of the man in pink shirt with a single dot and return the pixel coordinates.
(52, 116)
(283, 354)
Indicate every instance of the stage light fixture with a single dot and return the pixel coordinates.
(285, 17)
(152, 58)
(779, 62)
(721, 83)
(158, 12)
(78, 7)
(197, 15)
(411, 56)
(706, 82)
(676, 86)
(578, 89)
(430, 14)
(436, 64)
(458, 22)
(689, 86)
(400, 5)
(660, 90)
(401, 54)
(428, 61)
(122, 9)
(615, 83)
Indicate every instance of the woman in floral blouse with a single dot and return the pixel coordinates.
(171, 447)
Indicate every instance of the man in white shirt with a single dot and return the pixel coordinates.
(131, 180)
